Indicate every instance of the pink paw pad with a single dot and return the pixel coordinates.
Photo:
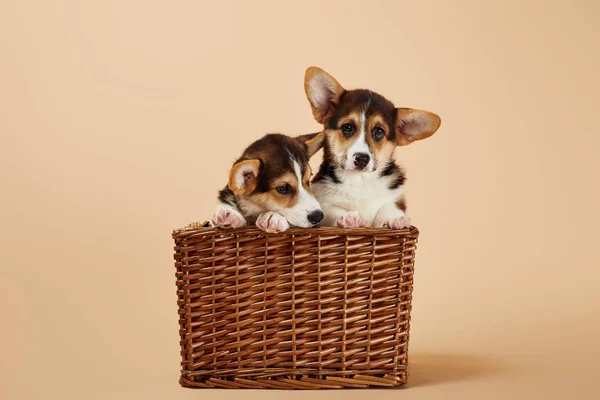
(398, 223)
(227, 218)
(272, 222)
(351, 220)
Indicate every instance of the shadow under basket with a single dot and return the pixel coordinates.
(319, 308)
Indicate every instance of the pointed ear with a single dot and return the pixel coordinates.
(243, 176)
(313, 142)
(323, 93)
(414, 125)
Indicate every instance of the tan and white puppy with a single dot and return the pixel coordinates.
(359, 183)
(270, 186)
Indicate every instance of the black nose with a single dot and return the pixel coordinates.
(361, 160)
(315, 217)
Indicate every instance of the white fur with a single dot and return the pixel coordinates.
(241, 172)
(365, 193)
(249, 208)
(390, 216)
(360, 144)
(298, 214)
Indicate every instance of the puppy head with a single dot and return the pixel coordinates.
(362, 128)
(273, 174)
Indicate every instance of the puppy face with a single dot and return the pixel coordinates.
(362, 128)
(273, 174)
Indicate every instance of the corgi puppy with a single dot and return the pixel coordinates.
(359, 183)
(269, 185)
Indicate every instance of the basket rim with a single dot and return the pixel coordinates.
(206, 229)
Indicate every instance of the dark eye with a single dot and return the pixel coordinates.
(284, 189)
(348, 129)
(378, 133)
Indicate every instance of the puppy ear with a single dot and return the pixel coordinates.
(243, 176)
(414, 125)
(313, 142)
(323, 93)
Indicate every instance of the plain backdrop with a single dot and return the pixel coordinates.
(120, 119)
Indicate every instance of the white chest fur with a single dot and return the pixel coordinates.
(362, 192)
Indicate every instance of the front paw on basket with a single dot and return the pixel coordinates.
(398, 223)
(351, 220)
(227, 218)
(195, 225)
(272, 222)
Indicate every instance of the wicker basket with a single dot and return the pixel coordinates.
(304, 309)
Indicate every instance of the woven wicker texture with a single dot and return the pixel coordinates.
(304, 309)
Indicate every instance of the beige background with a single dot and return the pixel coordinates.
(120, 119)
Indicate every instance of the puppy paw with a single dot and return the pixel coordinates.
(194, 225)
(398, 223)
(226, 217)
(351, 220)
(272, 222)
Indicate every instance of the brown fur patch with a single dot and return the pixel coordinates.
(382, 150)
(313, 142)
(306, 179)
(338, 142)
(272, 199)
(401, 203)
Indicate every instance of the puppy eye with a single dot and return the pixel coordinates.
(378, 133)
(347, 129)
(284, 189)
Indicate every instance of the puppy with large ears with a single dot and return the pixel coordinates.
(359, 183)
(270, 186)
